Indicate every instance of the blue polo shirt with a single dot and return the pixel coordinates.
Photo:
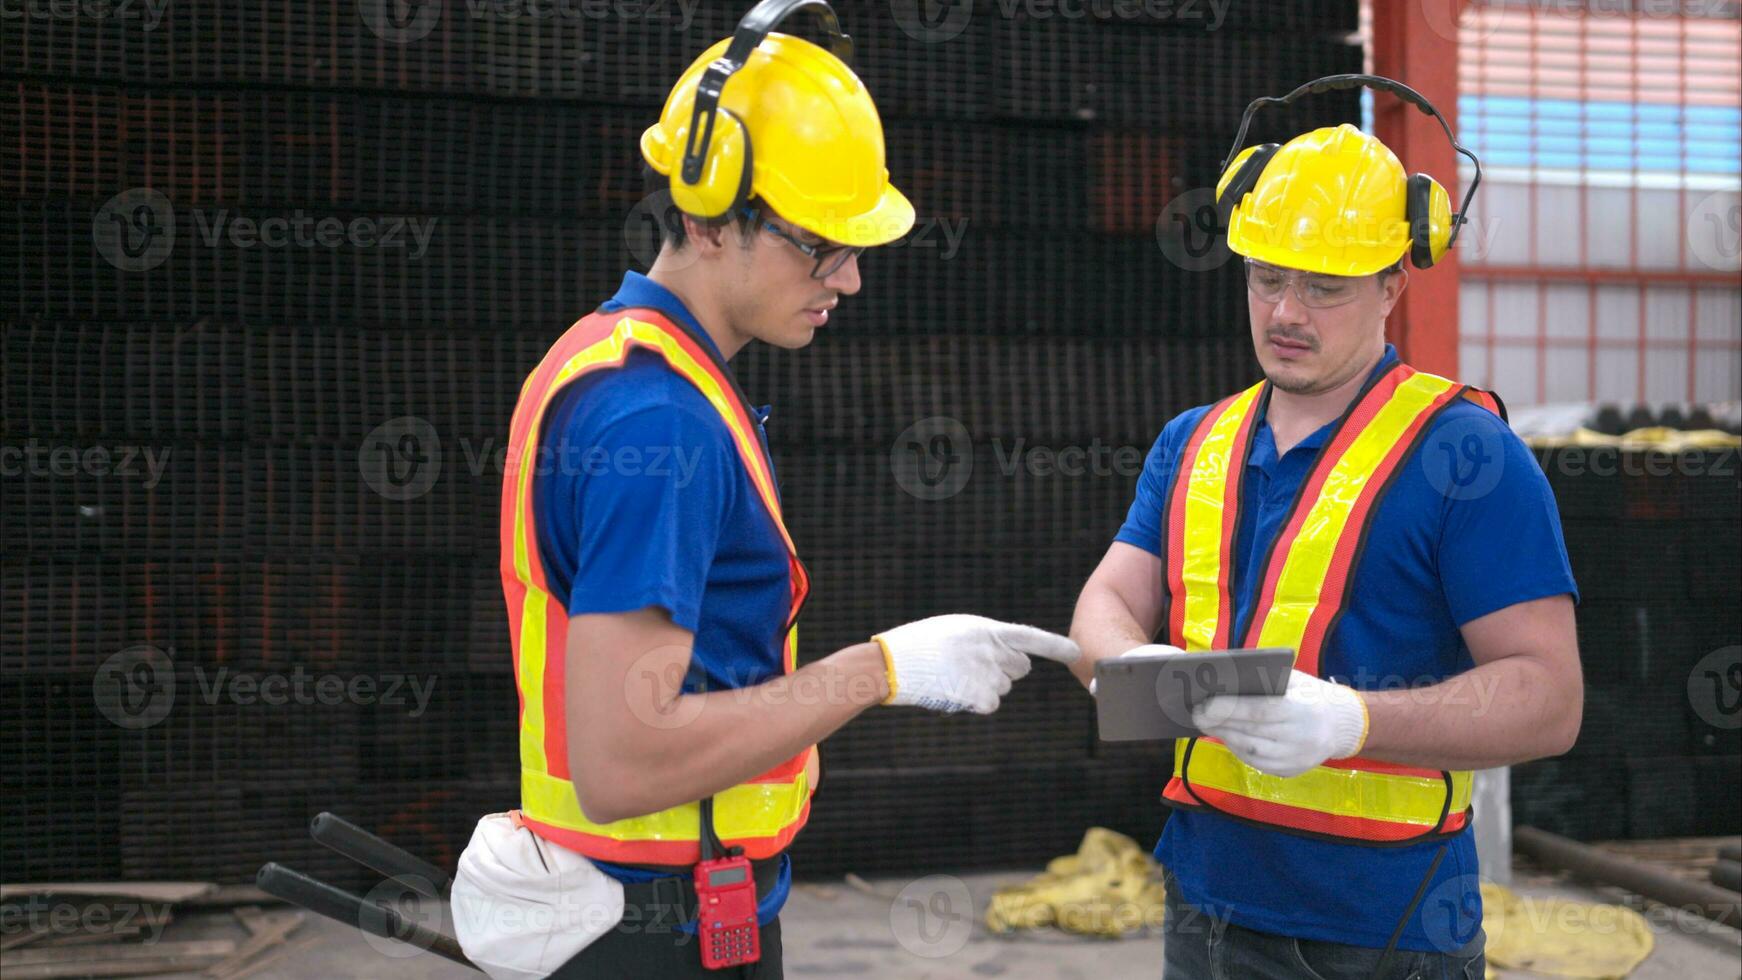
(642, 500)
(1468, 527)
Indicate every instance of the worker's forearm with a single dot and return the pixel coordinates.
(1501, 713)
(1102, 627)
(700, 744)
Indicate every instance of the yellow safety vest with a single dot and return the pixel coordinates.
(761, 815)
(1304, 587)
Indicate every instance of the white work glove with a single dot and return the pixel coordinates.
(963, 663)
(1144, 650)
(1313, 721)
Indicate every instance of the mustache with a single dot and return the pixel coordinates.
(1291, 338)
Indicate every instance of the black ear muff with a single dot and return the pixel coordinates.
(1245, 179)
(744, 179)
(1418, 210)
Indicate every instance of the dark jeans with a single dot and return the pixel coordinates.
(1199, 947)
(635, 951)
(647, 943)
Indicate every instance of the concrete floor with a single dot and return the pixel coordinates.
(840, 931)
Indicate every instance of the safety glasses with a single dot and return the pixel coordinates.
(1315, 290)
(828, 258)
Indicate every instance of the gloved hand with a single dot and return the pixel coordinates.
(1144, 650)
(963, 663)
(1314, 720)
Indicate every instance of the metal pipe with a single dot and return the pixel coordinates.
(1727, 874)
(371, 851)
(1698, 897)
(355, 910)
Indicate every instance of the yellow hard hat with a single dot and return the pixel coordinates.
(796, 128)
(1336, 201)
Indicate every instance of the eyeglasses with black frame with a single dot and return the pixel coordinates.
(828, 258)
(1315, 290)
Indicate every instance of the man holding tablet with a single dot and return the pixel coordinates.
(1388, 527)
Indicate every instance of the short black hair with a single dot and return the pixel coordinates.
(1393, 268)
(671, 229)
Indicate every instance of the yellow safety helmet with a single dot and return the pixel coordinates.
(1335, 200)
(783, 120)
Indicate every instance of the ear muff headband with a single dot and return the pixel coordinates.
(1421, 244)
(755, 26)
(1245, 179)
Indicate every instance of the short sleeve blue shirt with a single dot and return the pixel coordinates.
(641, 500)
(1469, 526)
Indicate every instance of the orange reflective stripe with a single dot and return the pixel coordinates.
(763, 813)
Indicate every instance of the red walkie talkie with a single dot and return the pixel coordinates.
(725, 901)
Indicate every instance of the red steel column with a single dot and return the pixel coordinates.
(1420, 49)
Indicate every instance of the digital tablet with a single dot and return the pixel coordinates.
(1151, 696)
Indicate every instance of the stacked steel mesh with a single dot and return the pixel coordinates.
(327, 417)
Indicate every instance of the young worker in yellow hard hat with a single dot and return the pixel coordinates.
(667, 733)
(1389, 527)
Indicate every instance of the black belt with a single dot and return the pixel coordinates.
(665, 903)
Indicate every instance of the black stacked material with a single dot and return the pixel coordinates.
(1654, 543)
(275, 276)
